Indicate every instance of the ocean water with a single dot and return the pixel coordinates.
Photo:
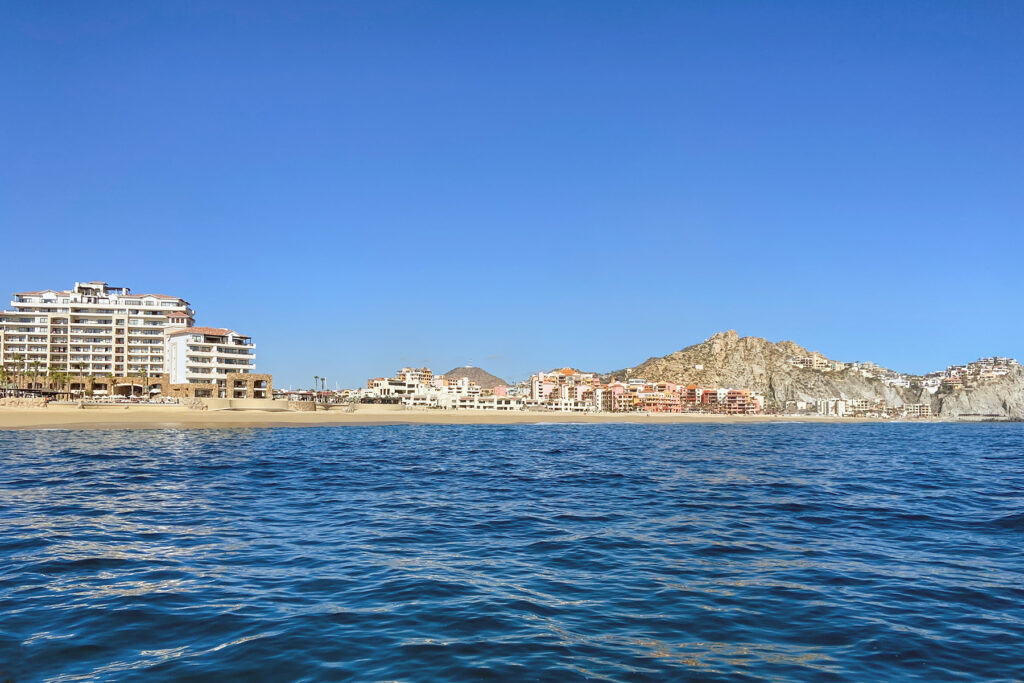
(534, 552)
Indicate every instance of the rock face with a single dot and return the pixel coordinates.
(483, 378)
(1003, 398)
(728, 360)
(194, 404)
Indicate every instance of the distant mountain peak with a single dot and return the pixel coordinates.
(478, 375)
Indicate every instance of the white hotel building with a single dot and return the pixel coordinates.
(95, 329)
(205, 355)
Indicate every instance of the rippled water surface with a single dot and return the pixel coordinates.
(552, 552)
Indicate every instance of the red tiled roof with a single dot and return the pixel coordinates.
(204, 330)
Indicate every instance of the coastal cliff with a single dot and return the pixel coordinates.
(726, 359)
(1002, 397)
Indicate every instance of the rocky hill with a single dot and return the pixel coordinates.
(1003, 397)
(728, 360)
(483, 378)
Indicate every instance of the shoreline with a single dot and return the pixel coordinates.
(179, 417)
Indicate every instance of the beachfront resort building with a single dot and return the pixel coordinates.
(96, 333)
(91, 329)
(858, 407)
(419, 387)
(208, 356)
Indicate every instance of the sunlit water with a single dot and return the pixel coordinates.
(545, 552)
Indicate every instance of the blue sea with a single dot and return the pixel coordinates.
(528, 552)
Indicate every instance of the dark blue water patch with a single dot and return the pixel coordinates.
(1012, 522)
(545, 552)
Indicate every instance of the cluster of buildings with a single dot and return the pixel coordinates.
(99, 340)
(954, 377)
(421, 388)
(854, 407)
(970, 375)
(96, 339)
(569, 389)
(816, 361)
(564, 390)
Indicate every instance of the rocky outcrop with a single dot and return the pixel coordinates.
(728, 360)
(13, 402)
(999, 398)
(194, 404)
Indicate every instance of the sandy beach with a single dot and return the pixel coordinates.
(178, 417)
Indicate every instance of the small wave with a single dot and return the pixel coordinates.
(1014, 522)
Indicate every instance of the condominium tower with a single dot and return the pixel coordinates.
(95, 329)
(207, 355)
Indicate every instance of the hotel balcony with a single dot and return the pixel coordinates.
(238, 351)
(210, 363)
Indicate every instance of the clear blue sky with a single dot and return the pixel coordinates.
(525, 185)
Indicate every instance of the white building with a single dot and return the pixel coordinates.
(569, 405)
(917, 410)
(835, 407)
(420, 388)
(462, 386)
(816, 361)
(92, 329)
(502, 403)
(205, 355)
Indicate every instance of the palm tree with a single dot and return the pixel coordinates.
(323, 384)
(19, 362)
(110, 384)
(80, 366)
(34, 373)
(54, 376)
(316, 380)
(145, 380)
